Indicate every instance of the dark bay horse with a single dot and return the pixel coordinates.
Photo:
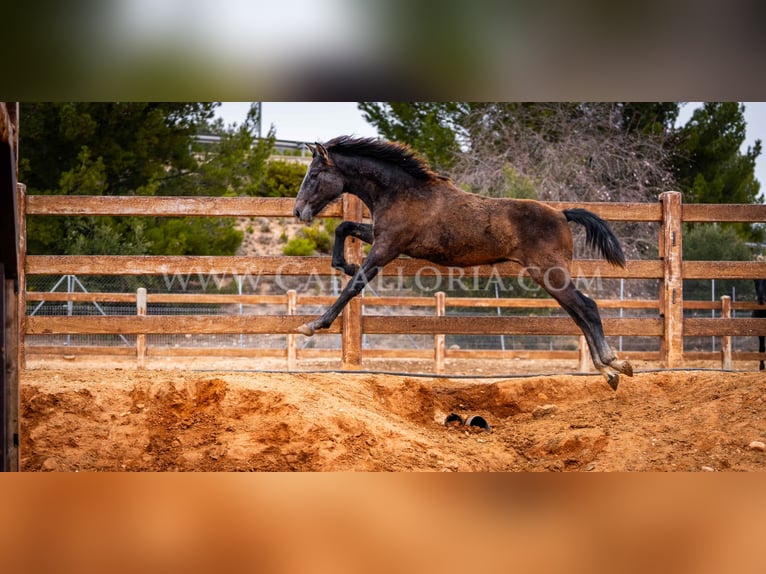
(419, 213)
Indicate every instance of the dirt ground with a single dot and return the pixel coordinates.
(79, 418)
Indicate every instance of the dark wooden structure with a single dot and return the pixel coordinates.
(9, 287)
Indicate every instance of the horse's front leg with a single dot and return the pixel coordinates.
(372, 264)
(361, 231)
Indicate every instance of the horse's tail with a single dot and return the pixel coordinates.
(598, 234)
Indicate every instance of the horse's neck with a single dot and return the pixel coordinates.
(377, 184)
(369, 182)
(354, 188)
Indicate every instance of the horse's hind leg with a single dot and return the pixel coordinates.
(361, 231)
(584, 312)
(761, 349)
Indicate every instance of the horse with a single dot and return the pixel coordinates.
(760, 291)
(422, 214)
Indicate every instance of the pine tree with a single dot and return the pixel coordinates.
(136, 148)
(709, 166)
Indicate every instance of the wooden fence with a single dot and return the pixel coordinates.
(669, 269)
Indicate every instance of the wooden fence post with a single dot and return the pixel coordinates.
(11, 284)
(22, 282)
(671, 289)
(726, 342)
(292, 300)
(439, 338)
(141, 338)
(583, 355)
(351, 329)
(9, 341)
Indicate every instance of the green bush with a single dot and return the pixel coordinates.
(715, 242)
(299, 246)
(321, 238)
(194, 236)
(518, 186)
(282, 179)
(308, 241)
(330, 224)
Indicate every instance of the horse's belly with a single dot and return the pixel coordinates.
(459, 252)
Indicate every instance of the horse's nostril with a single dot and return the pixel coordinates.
(296, 212)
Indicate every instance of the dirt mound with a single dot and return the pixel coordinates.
(114, 419)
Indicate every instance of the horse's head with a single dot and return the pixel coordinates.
(322, 184)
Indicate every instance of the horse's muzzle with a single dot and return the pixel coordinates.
(305, 215)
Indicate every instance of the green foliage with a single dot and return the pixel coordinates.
(299, 245)
(136, 148)
(710, 168)
(236, 165)
(330, 224)
(319, 237)
(709, 165)
(87, 177)
(714, 242)
(517, 185)
(193, 236)
(282, 179)
(648, 117)
(45, 235)
(136, 142)
(309, 241)
(105, 236)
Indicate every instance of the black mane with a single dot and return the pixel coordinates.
(394, 153)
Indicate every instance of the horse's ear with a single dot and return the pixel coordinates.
(312, 148)
(322, 151)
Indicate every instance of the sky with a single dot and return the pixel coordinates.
(304, 121)
(321, 121)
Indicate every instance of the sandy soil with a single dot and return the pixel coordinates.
(77, 419)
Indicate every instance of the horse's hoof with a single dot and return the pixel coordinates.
(623, 366)
(613, 379)
(305, 330)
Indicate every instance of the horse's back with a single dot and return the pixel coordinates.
(454, 227)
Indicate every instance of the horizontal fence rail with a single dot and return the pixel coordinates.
(301, 266)
(283, 207)
(665, 318)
